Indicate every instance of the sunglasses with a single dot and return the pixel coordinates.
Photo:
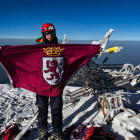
(51, 32)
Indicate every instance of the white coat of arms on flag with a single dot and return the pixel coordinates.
(52, 69)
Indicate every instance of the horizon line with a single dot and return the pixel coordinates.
(73, 39)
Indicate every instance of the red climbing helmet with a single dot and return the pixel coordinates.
(48, 27)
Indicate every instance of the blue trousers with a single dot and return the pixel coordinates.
(56, 105)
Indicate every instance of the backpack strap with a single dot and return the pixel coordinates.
(89, 133)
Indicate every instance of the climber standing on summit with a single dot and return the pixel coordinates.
(49, 37)
(56, 103)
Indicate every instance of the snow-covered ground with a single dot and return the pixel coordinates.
(18, 106)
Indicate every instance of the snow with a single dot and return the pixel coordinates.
(18, 106)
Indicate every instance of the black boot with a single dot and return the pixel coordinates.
(56, 136)
(43, 134)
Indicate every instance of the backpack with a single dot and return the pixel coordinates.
(96, 133)
(75, 132)
(10, 132)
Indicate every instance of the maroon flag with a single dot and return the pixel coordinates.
(44, 69)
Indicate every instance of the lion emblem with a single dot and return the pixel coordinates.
(52, 70)
(52, 65)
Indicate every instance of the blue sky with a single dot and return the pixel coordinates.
(78, 19)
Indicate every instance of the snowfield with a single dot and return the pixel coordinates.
(18, 106)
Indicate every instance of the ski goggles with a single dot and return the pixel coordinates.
(50, 32)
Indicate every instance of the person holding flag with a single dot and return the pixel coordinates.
(56, 104)
(49, 37)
